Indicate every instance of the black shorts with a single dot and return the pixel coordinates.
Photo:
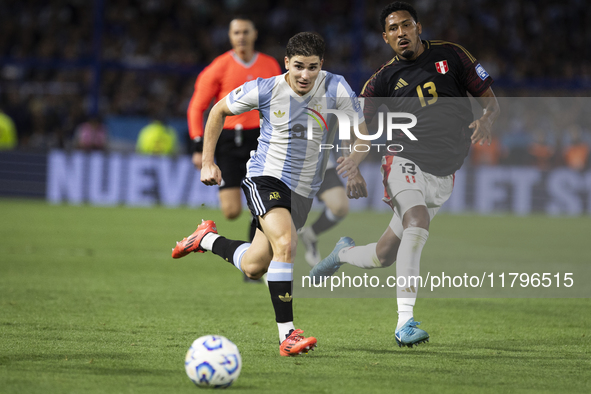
(232, 152)
(265, 192)
(331, 179)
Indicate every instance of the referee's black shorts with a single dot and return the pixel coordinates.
(265, 192)
(232, 152)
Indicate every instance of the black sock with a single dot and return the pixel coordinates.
(252, 229)
(323, 223)
(225, 248)
(282, 300)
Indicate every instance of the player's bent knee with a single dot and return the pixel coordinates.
(386, 264)
(417, 216)
(340, 211)
(231, 213)
(253, 271)
(285, 246)
(254, 275)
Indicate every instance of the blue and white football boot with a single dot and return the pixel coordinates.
(331, 263)
(409, 334)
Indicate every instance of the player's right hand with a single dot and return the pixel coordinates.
(482, 131)
(356, 187)
(211, 174)
(197, 159)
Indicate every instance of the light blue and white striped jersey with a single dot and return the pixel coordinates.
(285, 150)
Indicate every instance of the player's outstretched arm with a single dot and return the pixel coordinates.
(210, 172)
(483, 127)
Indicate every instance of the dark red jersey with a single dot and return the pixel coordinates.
(434, 87)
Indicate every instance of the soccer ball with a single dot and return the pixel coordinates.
(213, 361)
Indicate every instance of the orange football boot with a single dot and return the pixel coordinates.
(191, 243)
(296, 344)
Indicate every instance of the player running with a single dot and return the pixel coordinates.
(283, 175)
(420, 178)
(239, 136)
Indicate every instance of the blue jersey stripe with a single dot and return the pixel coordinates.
(265, 94)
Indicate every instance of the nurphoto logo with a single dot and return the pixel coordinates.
(387, 121)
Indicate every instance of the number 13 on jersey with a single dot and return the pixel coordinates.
(431, 90)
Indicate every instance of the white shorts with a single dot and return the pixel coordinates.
(400, 174)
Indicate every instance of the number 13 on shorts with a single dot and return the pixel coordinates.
(409, 168)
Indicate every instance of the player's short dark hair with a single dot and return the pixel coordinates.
(397, 6)
(305, 44)
(242, 17)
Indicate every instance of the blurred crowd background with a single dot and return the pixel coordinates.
(70, 70)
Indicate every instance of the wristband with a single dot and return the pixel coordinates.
(198, 144)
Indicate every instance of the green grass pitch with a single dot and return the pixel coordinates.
(92, 302)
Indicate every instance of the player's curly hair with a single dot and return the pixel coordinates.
(397, 6)
(305, 44)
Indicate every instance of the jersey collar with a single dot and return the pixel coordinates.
(242, 62)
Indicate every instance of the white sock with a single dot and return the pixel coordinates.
(408, 263)
(404, 316)
(284, 329)
(239, 253)
(207, 240)
(361, 256)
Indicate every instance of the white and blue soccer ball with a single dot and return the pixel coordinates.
(213, 361)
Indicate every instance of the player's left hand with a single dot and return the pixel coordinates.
(356, 187)
(347, 167)
(211, 174)
(482, 130)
